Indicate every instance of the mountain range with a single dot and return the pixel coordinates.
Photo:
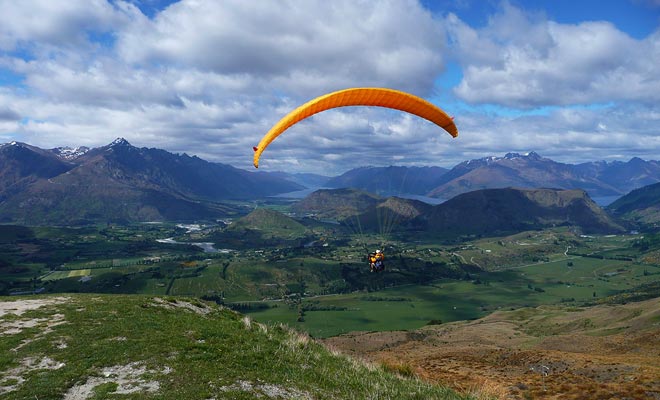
(599, 179)
(122, 183)
(392, 180)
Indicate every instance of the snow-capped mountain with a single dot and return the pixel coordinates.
(530, 170)
(69, 153)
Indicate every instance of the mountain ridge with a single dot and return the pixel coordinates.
(390, 181)
(601, 179)
(525, 171)
(120, 182)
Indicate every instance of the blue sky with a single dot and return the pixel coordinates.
(574, 81)
(637, 18)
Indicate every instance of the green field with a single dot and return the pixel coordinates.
(325, 287)
(57, 275)
(588, 280)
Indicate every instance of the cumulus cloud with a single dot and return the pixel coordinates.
(39, 23)
(301, 47)
(525, 61)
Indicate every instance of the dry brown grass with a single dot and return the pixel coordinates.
(594, 362)
(487, 389)
(400, 368)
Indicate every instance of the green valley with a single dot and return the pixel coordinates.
(314, 277)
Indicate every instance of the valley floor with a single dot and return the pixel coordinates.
(602, 352)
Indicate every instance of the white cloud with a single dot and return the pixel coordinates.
(567, 134)
(525, 61)
(304, 48)
(40, 23)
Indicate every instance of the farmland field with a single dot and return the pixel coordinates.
(327, 289)
(446, 300)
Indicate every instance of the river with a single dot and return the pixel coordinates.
(206, 246)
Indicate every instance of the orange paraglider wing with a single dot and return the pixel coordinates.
(378, 97)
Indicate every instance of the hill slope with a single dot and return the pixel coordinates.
(641, 205)
(361, 211)
(263, 227)
(391, 214)
(270, 223)
(481, 212)
(549, 352)
(93, 347)
(513, 210)
(336, 203)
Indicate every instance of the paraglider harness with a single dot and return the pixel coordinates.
(376, 261)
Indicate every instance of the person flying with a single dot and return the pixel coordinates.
(376, 261)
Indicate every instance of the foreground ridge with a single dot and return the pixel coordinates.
(94, 346)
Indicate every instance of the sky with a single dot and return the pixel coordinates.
(574, 81)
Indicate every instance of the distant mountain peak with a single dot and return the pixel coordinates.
(119, 142)
(13, 143)
(19, 145)
(532, 155)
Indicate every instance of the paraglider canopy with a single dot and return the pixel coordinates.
(378, 97)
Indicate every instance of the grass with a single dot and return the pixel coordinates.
(445, 301)
(176, 348)
(452, 300)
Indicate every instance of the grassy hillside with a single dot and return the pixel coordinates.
(492, 211)
(549, 352)
(142, 347)
(263, 227)
(641, 205)
(270, 223)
